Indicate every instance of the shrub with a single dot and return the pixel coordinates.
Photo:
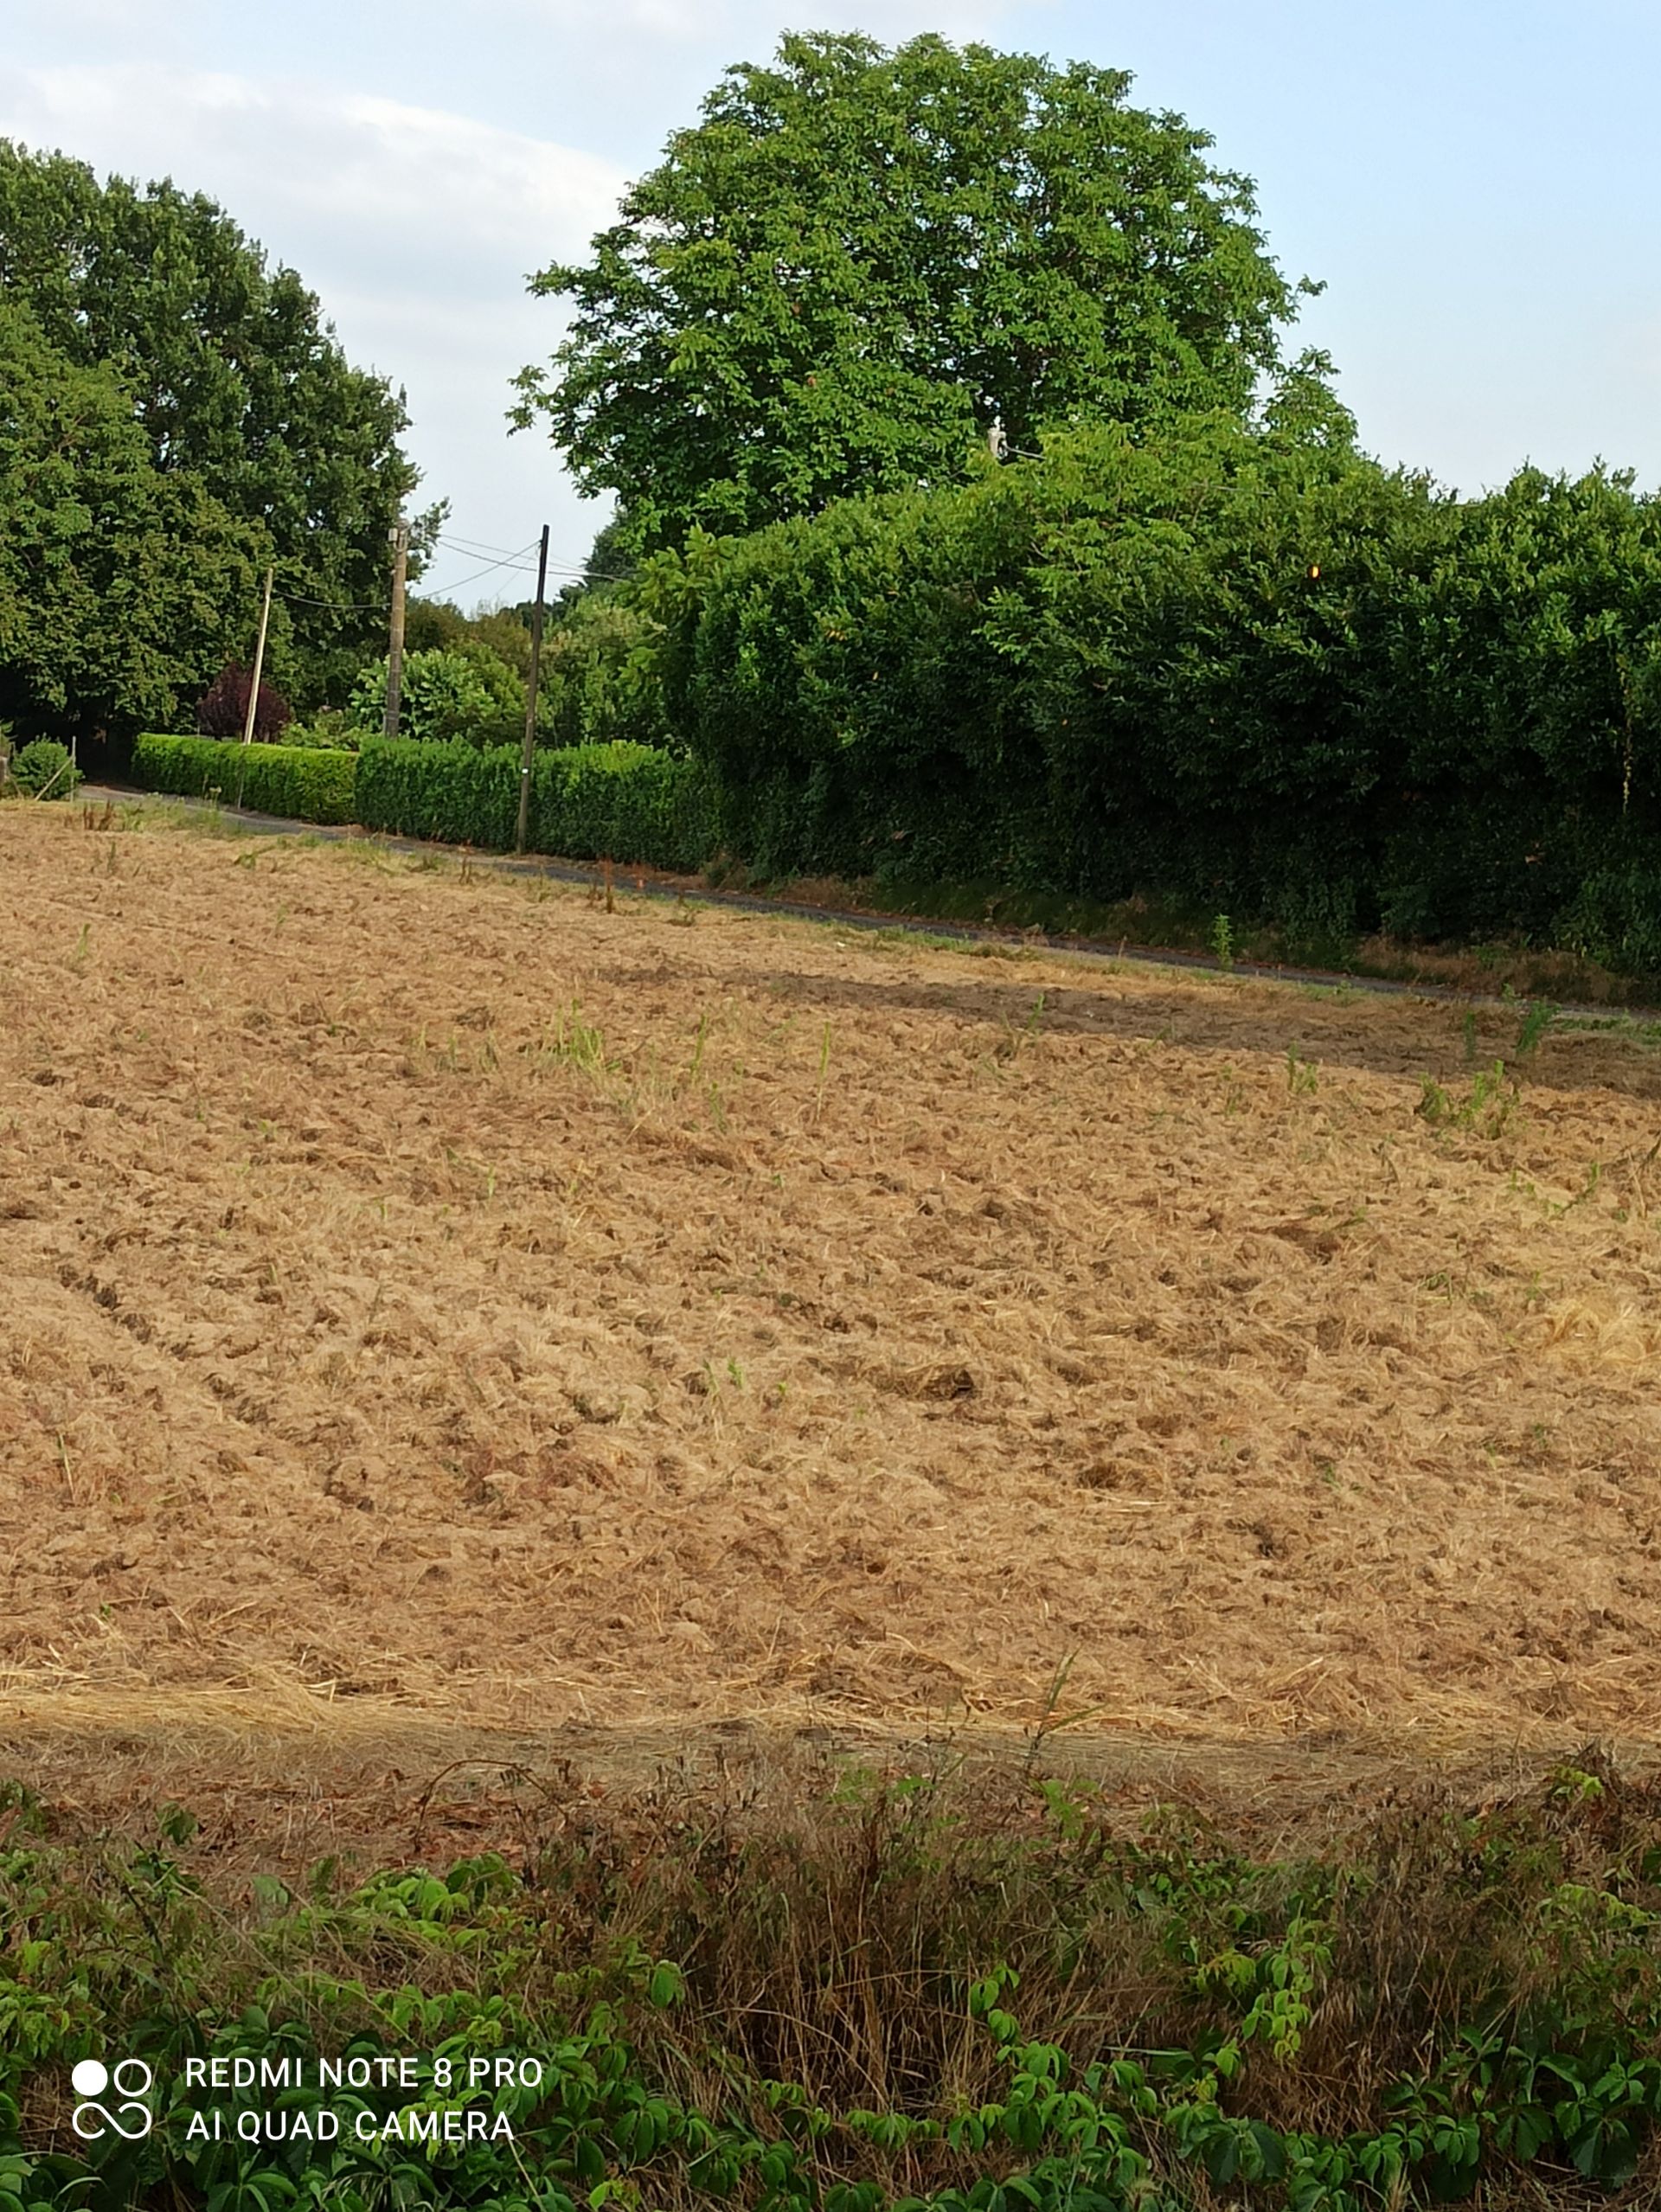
(452, 790)
(1237, 669)
(446, 695)
(329, 730)
(601, 677)
(627, 803)
(307, 784)
(45, 770)
(223, 711)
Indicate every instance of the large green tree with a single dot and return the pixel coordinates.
(234, 378)
(115, 576)
(859, 260)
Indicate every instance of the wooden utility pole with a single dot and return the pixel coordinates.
(530, 698)
(395, 641)
(253, 690)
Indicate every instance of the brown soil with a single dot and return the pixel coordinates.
(438, 1298)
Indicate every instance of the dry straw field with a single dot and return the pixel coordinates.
(427, 1289)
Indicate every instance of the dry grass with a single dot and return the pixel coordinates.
(427, 1289)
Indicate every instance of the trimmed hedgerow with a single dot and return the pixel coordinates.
(622, 802)
(1238, 672)
(450, 790)
(300, 781)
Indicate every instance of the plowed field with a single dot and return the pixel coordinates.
(422, 1286)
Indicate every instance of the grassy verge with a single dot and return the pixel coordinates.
(904, 1991)
(1498, 969)
(648, 812)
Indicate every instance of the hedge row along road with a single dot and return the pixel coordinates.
(649, 880)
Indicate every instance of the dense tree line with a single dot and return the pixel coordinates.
(176, 414)
(115, 576)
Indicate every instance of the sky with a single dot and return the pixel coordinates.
(1474, 181)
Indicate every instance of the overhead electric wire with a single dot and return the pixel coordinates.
(340, 606)
(512, 560)
(473, 547)
(519, 560)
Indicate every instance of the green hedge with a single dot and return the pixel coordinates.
(299, 781)
(623, 802)
(1244, 671)
(620, 801)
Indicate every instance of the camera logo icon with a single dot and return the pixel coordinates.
(131, 2080)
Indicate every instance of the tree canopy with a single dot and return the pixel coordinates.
(860, 259)
(236, 381)
(115, 576)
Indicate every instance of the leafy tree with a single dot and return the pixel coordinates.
(114, 575)
(859, 260)
(498, 643)
(611, 557)
(234, 380)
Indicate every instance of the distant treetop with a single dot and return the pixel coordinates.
(235, 379)
(859, 260)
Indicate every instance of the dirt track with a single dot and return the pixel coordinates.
(444, 1294)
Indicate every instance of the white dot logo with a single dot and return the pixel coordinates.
(130, 2079)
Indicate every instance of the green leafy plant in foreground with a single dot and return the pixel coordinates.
(1444, 2001)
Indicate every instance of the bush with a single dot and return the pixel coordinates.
(1236, 670)
(329, 730)
(452, 792)
(304, 783)
(446, 695)
(45, 770)
(223, 711)
(627, 803)
(602, 678)
(1052, 2006)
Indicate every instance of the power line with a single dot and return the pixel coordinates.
(520, 560)
(474, 547)
(340, 606)
(512, 561)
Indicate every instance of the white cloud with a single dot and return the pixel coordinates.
(369, 174)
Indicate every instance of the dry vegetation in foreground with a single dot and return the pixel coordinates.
(429, 1287)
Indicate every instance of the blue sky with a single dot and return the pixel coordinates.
(1476, 183)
